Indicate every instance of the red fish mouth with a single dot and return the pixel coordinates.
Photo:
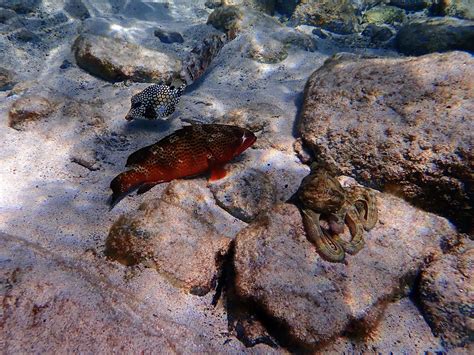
(247, 140)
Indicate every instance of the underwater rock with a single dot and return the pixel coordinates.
(183, 235)
(280, 273)
(168, 36)
(403, 125)
(447, 295)
(412, 5)
(27, 109)
(400, 330)
(435, 35)
(457, 8)
(6, 79)
(336, 16)
(384, 15)
(116, 60)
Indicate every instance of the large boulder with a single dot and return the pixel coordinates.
(182, 235)
(308, 300)
(447, 296)
(114, 59)
(435, 35)
(403, 125)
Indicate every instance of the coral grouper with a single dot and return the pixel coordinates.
(189, 151)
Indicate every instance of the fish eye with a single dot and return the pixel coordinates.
(136, 104)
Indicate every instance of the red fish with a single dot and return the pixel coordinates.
(189, 151)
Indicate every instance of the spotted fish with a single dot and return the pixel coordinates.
(189, 151)
(156, 101)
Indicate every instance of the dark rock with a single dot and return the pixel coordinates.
(116, 60)
(65, 64)
(6, 14)
(309, 300)
(412, 5)
(435, 35)
(27, 109)
(21, 6)
(286, 7)
(447, 295)
(403, 125)
(212, 4)
(6, 79)
(168, 36)
(378, 34)
(24, 35)
(77, 9)
(180, 235)
(320, 33)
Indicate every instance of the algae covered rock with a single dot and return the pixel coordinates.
(435, 35)
(226, 18)
(117, 60)
(384, 15)
(403, 125)
(336, 16)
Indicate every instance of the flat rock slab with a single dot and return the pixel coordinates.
(114, 60)
(404, 125)
(183, 235)
(278, 270)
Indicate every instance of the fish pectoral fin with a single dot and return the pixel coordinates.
(145, 187)
(217, 172)
(150, 113)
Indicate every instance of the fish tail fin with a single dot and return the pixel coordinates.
(123, 184)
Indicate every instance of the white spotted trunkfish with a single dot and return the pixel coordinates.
(156, 101)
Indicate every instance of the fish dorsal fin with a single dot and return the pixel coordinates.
(140, 156)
